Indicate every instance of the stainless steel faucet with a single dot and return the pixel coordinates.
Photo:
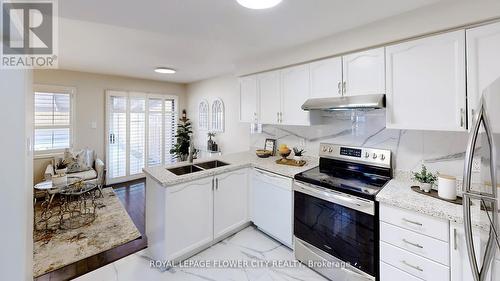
(191, 151)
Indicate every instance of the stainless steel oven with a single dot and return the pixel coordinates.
(336, 217)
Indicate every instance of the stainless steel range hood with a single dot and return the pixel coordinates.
(365, 102)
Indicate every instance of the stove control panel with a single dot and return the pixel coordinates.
(370, 156)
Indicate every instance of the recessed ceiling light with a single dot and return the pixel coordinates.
(165, 70)
(258, 4)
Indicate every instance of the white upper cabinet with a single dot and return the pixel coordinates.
(270, 91)
(364, 73)
(326, 78)
(248, 99)
(426, 83)
(295, 83)
(483, 63)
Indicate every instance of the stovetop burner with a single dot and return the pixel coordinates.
(351, 170)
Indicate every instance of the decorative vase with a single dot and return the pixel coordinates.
(297, 158)
(210, 144)
(425, 187)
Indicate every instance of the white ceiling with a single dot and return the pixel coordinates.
(199, 38)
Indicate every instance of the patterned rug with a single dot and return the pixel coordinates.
(57, 248)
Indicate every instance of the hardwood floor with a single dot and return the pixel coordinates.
(132, 196)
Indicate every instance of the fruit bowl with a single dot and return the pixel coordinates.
(285, 152)
(263, 153)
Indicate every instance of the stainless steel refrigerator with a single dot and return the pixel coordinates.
(481, 179)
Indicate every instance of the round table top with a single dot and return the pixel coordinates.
(44, 185)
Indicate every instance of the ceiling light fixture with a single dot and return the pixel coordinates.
(258, 4)
(165, 70)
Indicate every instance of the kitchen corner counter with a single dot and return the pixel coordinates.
(398, 193)
(236, 161)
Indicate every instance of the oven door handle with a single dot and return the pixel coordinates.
(346, 200)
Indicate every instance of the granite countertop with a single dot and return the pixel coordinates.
(399, 194)
(236, 161)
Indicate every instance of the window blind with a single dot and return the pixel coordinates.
(52, 121)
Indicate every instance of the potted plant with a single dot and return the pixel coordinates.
(183, 136)
(61, 168)
(425, 178)
(297, 154)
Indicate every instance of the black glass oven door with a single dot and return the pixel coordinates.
(340, 231)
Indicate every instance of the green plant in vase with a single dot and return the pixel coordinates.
(183, 136)
(425, 178)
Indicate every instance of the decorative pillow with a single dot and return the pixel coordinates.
(89, 157)
(76, 161)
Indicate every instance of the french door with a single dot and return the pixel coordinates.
(140, 133)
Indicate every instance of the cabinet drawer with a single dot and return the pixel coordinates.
(419, 244)
(390, 273)
(430, 226)
(413, 264)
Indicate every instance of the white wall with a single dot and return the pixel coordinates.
(441, 16)
(236, 135)
(16, 205)
(90, 103)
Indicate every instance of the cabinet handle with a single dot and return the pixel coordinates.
(462, 121)
(344, 88)
(412, 222)
(413, 244)
(213, 185)
(281, 117)
(277, 117)
(412, 266)
(216, 184)
(338, 86)
(455, 239)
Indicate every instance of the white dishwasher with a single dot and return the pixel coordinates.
(272, 205)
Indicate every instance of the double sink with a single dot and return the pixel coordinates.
(193, 168)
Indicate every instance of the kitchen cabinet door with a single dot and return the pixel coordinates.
(188, 217)
(326, 78)
(248, 99)
(295, 83)
(272, 205)
(270, 92)
(425, 82)
(483, 65)
(459, 259)
(364, 73)
(230, 202)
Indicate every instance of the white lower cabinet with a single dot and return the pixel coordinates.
(391, 273)
(188, 217)
(230, 202)
(413, 264)
(272, 205)
(413, 246)
(461, 269)
(183, 219)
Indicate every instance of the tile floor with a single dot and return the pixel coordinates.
(248, 245)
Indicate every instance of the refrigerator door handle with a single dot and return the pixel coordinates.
(479, 274)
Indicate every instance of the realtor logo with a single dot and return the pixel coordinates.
(29, 34)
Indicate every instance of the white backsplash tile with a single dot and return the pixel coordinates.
(440, 151)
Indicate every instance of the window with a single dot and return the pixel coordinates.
(141, 131)
(53, 111)
(218, 116)
(203, 115)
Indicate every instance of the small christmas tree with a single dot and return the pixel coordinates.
(181, 148)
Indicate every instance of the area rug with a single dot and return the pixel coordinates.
(111, 228)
